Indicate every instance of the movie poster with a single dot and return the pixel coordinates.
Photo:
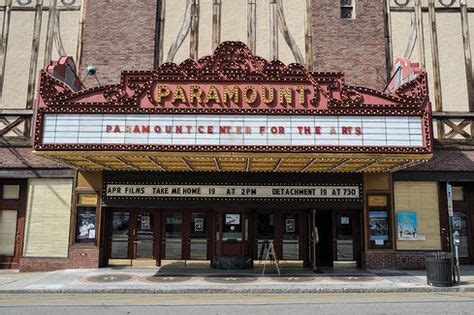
(378, 223)
(407, 228)
(85, 225)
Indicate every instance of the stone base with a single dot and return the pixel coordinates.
(232, 262)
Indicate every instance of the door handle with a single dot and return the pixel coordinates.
(17, 236)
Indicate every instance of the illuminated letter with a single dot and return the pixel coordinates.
(268, 99)
(212, 95)
(161, 91)
(195, 95)
(302, 91)
(286, 96)
(178, 94)
(253, 96)
(231, 95)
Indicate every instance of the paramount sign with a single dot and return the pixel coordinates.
(232, 96)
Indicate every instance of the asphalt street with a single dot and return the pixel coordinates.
(116, 304)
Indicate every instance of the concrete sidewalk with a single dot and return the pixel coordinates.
(172, 281)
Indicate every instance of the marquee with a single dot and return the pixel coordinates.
(231, 111)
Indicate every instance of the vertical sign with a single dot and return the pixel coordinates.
(449, 192)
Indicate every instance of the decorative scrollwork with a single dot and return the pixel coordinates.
(351, 96)
(68, 2)
(234, 61)
(24, 2)
(448, 4)
(402, 3)
(115, 94)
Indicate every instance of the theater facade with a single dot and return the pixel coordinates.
(212, 159)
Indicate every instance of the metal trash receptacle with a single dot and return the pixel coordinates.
(439, 270)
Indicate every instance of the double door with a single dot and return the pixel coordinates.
(286, 231)
(185, 235)
(133, 234)
(158, 234)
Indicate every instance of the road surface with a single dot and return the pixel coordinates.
(116, 304)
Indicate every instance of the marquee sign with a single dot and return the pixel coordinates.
(233, 130)
(231, 191)
(231, 103)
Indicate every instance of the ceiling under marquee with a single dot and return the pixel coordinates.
(220, 162)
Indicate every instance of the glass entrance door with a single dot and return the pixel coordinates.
(132, 235)
(173, 235)
(144, 235)
(120, 238)
(290, 237)
(265, 233)
(344, 237)
(198, 236)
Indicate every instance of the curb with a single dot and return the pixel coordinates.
(228, 290)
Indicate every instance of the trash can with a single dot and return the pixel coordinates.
(439, 271)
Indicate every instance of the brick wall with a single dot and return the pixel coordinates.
(118, 35)
(78, 258)
(404, 260)
(378, 260)
(355, 47)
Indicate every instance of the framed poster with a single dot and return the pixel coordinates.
(345, 220)
(85, 225)
(290, 225)
(198, 224)
(232, 219)
(145, 222)
(379, 227)
(406, 226)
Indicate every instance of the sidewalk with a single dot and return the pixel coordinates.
(172, 281)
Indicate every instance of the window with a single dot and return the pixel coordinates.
(347, 9)
(458, 193)
(49, 213)
(11, 192)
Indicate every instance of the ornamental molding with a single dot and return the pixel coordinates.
(231, 63)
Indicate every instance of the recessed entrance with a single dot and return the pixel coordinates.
(339, 238)
(233, 238)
